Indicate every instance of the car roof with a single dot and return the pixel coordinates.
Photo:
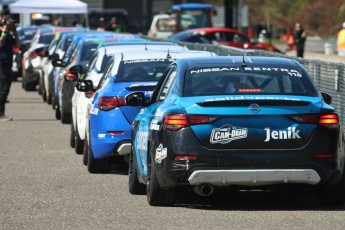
(188, 6)
(143, 46)
(239, 61)
(153, 54)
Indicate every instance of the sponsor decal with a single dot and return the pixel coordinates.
(161, 153)
(286, 134)
(154, 126)
(227, 133)
(291, 72)
(243, 97)
(142, 137)
(93, 111)
(101, 136)
(148, 60)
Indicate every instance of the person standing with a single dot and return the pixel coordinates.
(299, 36)
(341, 41)
(8, 40)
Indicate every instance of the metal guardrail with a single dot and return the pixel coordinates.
(329, 77)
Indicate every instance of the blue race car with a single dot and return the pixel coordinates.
(109, 126)
(240, 122)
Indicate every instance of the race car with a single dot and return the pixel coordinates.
(108, 127)
(237, 122)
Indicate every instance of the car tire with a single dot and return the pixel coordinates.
(97, 165)
(44, 95)
(65, 117)
(49, 99)
(29, 87)
(72, 136)
(331, 196)
(78, 142)
(85, 152)
(134, 186)
(57, 114)
(157, 196)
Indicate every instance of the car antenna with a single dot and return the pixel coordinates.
(145, 46)
(244, 64)
(168, 55)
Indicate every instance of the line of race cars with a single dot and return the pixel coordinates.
(187, 119)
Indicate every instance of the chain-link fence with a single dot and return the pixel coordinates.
(328, 76)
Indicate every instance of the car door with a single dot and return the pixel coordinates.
(149, 118)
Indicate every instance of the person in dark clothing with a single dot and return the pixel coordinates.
(8, 40)
(299, 36)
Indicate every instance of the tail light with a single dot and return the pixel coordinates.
(175, 122)
(108, 103)
(115, 132)
(89, 94)
(185, 157)
(33, 54)
(327, 119)
(16, 50)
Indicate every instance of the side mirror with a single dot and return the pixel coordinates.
(57, 63)
(53, 56)
(327, 98)
(84, 86)
(77, 69)
(135, 99)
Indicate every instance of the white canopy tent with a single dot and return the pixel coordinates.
(50, 7)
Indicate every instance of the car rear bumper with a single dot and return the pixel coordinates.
(254, 177)
(247, 167)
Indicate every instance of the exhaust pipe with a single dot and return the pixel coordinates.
(203, 189)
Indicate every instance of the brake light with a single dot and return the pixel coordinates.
(249, 90)
(177, 121)
(16, 50)
(331, 118)
(185, 157)
(323, 156)
(115, 132)
(108, 103)
(33, 54)
(88, 94)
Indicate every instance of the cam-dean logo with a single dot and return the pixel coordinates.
(226, 134)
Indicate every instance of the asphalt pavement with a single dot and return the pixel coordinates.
(44, 185)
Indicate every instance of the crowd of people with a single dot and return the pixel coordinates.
(112, 25)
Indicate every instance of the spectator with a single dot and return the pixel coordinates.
(57, 22)
(101, 26)
(113, 26)
(8, 40)
(341, 41)
(299, 36)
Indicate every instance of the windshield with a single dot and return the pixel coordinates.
(142, 70)
(194, 19)
(259, 80)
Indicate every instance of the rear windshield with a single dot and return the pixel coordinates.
(142, 70)
(259, 80)
(87, 51)
(46, 38)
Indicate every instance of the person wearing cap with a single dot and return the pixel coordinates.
(8, 40)
(341, 41)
